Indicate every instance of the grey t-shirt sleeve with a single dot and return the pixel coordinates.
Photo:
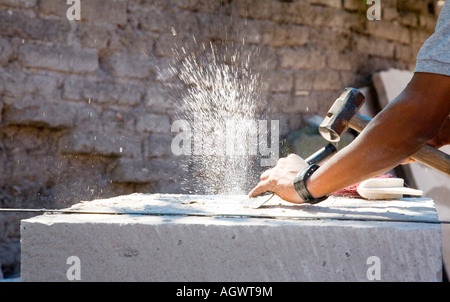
(434, 55)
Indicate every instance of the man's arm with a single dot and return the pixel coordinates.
(402, 128)
(443, 136)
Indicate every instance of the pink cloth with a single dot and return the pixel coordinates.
(351, 190)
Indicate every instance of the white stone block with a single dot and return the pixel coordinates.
(389, 84)
(157, 237)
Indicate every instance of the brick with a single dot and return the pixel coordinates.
(314, 102)
(301, 58)
(211, 27)
(93, 35)
(289, 12)
(165, 46)
(314, 15)
(279, 102)
(157, 97)
(427, 21)
(150, 20)
(414, 6)
(198, 5)
(370, 64)
(105, 144)
(49, 7)
(192, 5)
(304, 80)
(334, 39)
(375, 47)
(389, 13)
(342, 60)
(38, 112)
(354, 5)
(153, 123)
(126, 170)
(419, 36)
(264, 59)
(351, 79)
(296, 35)
(158, 145)
(19, 3)
(44, 85)
(18, 24)
(317, 80)
(280, 81)
(404, 53)
(89, 115)
(329, 17)
(186, 23)
(118, 122)
(19, 85)
(129, 66)
(134, 43)
(6, 52)
(108, 11)
(303, 104)
(331, 3)
(249, 31)
(256, 9)
(102, 91)
(409, 19)
(284, 35)
(389, 31)
(64, 59)
(47, 30)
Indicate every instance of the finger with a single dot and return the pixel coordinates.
(261, 187)
(266, 174)
(408, 161)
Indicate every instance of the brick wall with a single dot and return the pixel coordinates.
(84, 108)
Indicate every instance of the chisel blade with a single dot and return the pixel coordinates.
(258, 201)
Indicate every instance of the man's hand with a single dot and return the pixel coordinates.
(280, 179)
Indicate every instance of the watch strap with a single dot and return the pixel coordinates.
(300, 185)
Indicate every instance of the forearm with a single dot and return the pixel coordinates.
(395, 134)
(443, 136)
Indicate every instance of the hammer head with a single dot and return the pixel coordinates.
(340, 113)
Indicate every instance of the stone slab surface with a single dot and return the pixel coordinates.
(163, 237)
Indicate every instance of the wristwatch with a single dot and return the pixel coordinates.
(300, 185)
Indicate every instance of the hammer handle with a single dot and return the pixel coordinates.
(427, 155)
(433, 158)
(358, 122)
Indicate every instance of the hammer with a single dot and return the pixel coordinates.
(343, 114)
